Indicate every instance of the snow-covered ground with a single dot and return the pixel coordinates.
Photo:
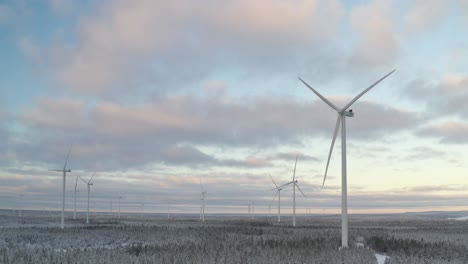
(460, 218)
(381, 258)
(36, 238)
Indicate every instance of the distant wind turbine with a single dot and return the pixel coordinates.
(120, 197)
(278, 193)
(76, 184)
(295, 185)
(88, 184)
(21, 204)
(341, 121)
(64, 171)
(252, 206)
(203, 193)
(168, 210)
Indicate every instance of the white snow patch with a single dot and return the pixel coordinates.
(381, 258)
(360, 245)
(460, 218)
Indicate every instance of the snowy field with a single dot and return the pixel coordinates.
(35, 238)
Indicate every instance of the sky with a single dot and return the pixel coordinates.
(156, 95)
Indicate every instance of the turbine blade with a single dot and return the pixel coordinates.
(276, 194)
(320, 96)
(337, 127)
(83, 180)
(273, 181)
(285, 185)
(68, 155)
(54, 170)
(294, 174)
(365, 91)
(201, 185)
(299, 188)
(92, 177)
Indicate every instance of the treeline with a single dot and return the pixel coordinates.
(418, 250)
(259, 244)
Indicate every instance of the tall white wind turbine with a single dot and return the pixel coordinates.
(21, 205)
(202, 209)
(341, 121)
(295, 185)
(168, 210)
(64, 171)
(88, 184)
(278, 193)
(120, 197)
(252, 210)
(76, 184)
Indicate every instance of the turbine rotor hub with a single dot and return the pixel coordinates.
(348, 113)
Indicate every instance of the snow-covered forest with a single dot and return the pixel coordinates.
(155, 239)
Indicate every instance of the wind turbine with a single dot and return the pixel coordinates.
(64, 171)
(76, 184)
(88, 183)
(295, 185)
(120, 197)
(252, 206)
(21, 204)
(203, 193)
(168, 210)
(341, 121)
(278, 193)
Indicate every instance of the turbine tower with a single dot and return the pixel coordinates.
(64, 177)
(202, 209)
(278, 193)
(252, 210)
(76, 184)
(341, 121)
(295, 185)
(21, 204)
(88, 183)
(168, 210)
(120, 197)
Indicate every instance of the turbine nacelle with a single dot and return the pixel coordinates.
(348, 113)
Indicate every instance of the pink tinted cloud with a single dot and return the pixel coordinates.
(377, 43)
(118, 44)
(448, 131)
(425, 14)
(113, 119)
(57, 113)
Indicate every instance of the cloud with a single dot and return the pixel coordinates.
(444, 97)
(447, 131)
(419, 153)
(6, 14)
(425, 15)
(377, 44)
(290, 156)
(126, 44)
(61, 7)
(60, 114)
(172, 129)
(4, 136)
(31, 52)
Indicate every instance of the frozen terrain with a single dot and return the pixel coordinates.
(35, 238)
(461, 218)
